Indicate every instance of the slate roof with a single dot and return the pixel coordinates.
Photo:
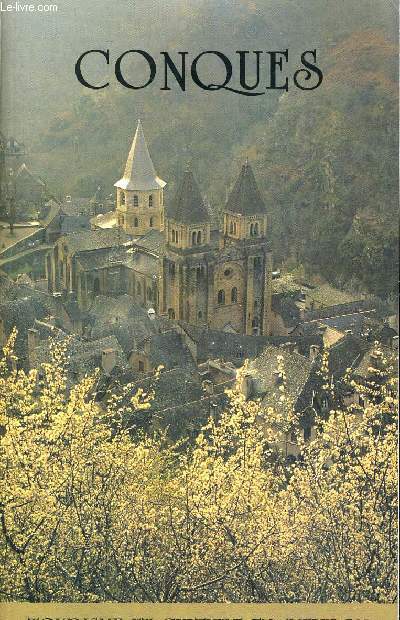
(74, 223)
(212, 344)
(21, 311)
(139, 171)
(77, 206)
(169, 350)
(188, 206)
(362, 369)
(84, 357)
(340, 310)
(95, 239)
(152, 241)
(264, 370)
(346, 354)
(103, 257)
(245, 197)
(285, 305)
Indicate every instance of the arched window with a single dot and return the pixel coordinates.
(194, 237)
(200, 314)
(138, 289)
(256, 229)
(135, 222)
(122, 198)
(231, 227)
(149, 293)
(234, 295)
(136, 200)
(151, 222)
(171, 313)
(173, 236)
(151, 200)
(221, 297)
(251, 230)
(96, 286)
(234, 228)
(199, 237)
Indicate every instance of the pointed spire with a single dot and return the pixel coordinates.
(245, 198)
(188, 206)
(139, 170)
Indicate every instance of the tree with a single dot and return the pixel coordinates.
(90, 513)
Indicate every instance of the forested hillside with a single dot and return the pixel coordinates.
(325, 159)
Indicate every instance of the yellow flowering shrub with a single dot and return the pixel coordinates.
(89, 514)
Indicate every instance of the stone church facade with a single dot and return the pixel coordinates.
(172, 258)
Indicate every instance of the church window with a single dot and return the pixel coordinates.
(255, 322)
(256, 229)
(135, 222)
(138, 289)
(231, 228)
(199, 237)
(199, 273)
(257, 263)
(173, 236)
(151, 221)
(171, 313)
(234, 295)
(307, 433)
(122, 198)
(151, 200)
(221, 297)
(251, 230)
(136, 200)
(172, 269)
(141, 366)
(194, 237)
(228, 273)
(234, 228)
(149, 293)
(200, 314)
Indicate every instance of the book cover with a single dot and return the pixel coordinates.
(198, 316)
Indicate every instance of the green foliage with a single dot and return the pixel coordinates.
(323, 158)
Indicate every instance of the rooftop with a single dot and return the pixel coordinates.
(188, 205)
(139, 171)
(245, 197)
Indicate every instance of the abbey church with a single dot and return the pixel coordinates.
(172, 258)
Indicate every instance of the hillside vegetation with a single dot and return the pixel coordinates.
(325, 159)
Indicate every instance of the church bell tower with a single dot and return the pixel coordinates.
(140, 192)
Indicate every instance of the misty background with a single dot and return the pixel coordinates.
(326, 160)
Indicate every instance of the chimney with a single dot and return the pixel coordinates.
(108, 360)
(246, 386)
(277, 378)
(314, 352)
(33, 342)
